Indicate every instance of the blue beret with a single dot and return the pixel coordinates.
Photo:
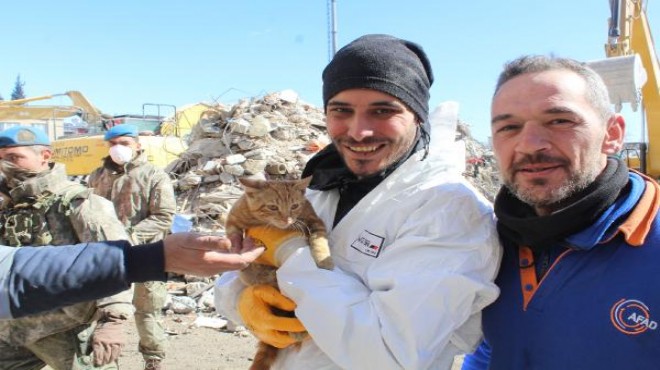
(23, 136)
(121, 130)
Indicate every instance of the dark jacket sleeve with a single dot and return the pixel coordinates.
(44, 278)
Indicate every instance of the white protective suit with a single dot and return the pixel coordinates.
(416, 259)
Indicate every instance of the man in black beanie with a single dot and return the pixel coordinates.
(415, 246)
(389, 65)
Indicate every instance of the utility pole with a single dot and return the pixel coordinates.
(332, 8)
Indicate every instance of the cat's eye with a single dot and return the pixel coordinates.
(272, 207)
(295, 206)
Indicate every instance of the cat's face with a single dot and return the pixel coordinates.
(276, 203)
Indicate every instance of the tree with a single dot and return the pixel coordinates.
(18, 92)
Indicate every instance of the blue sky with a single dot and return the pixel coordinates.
(122, 54)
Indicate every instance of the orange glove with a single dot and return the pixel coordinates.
(256, 304)
(279, 244)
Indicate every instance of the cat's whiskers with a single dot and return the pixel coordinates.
(302, 227)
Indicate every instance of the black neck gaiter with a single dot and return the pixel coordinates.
(517, 221)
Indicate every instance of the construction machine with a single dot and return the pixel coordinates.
(51, 117)
(82, 152)
(631, 74)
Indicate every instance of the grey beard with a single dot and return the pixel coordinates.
(554, 200)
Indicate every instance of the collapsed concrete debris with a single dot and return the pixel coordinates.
(273, 136)
(481, 170)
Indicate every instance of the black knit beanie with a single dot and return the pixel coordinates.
(385, 63)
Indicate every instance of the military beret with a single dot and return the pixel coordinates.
(121, 130)
(23, 136)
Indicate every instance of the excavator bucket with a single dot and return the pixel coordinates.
(624, 77)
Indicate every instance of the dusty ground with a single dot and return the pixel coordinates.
(198, 348)
(194, 348)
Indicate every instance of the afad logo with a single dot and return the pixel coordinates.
(632, 317)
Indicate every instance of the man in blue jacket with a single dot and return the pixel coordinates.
(579, 277)
(34, 280)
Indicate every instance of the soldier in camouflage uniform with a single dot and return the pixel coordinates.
(144, 200)
(46, 208)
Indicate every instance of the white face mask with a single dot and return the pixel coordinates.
(121, 154)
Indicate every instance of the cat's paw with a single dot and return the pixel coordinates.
(299, 336)
(326, 264)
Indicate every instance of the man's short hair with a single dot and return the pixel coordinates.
(596, 93)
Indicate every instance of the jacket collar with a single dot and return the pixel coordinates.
(53, 180)
(631, 215)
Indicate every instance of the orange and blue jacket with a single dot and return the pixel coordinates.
(597, 306)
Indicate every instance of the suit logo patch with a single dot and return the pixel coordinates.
(368, 243)
(632, 317)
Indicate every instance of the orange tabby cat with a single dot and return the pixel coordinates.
(282, 205)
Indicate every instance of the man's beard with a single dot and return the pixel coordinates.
(399, 149)
(552, 199)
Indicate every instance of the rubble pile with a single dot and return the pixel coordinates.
(481, 170)
(272, 136)
(190, 303)
(188, 294)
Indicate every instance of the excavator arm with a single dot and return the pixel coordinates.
(27, 100)
(83, 154)
(81, 106)
(629, 34)
(641, 42)
(17, 112)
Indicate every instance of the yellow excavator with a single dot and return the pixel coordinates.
(631, 74)
(50, 117)
(83, 153)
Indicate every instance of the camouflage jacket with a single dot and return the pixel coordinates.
(51, 210)
(142, 194)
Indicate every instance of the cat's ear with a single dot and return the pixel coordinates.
(249, 183)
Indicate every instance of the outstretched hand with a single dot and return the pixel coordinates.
(206, 255)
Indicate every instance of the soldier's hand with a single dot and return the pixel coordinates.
(206, 255)
(107, 340)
